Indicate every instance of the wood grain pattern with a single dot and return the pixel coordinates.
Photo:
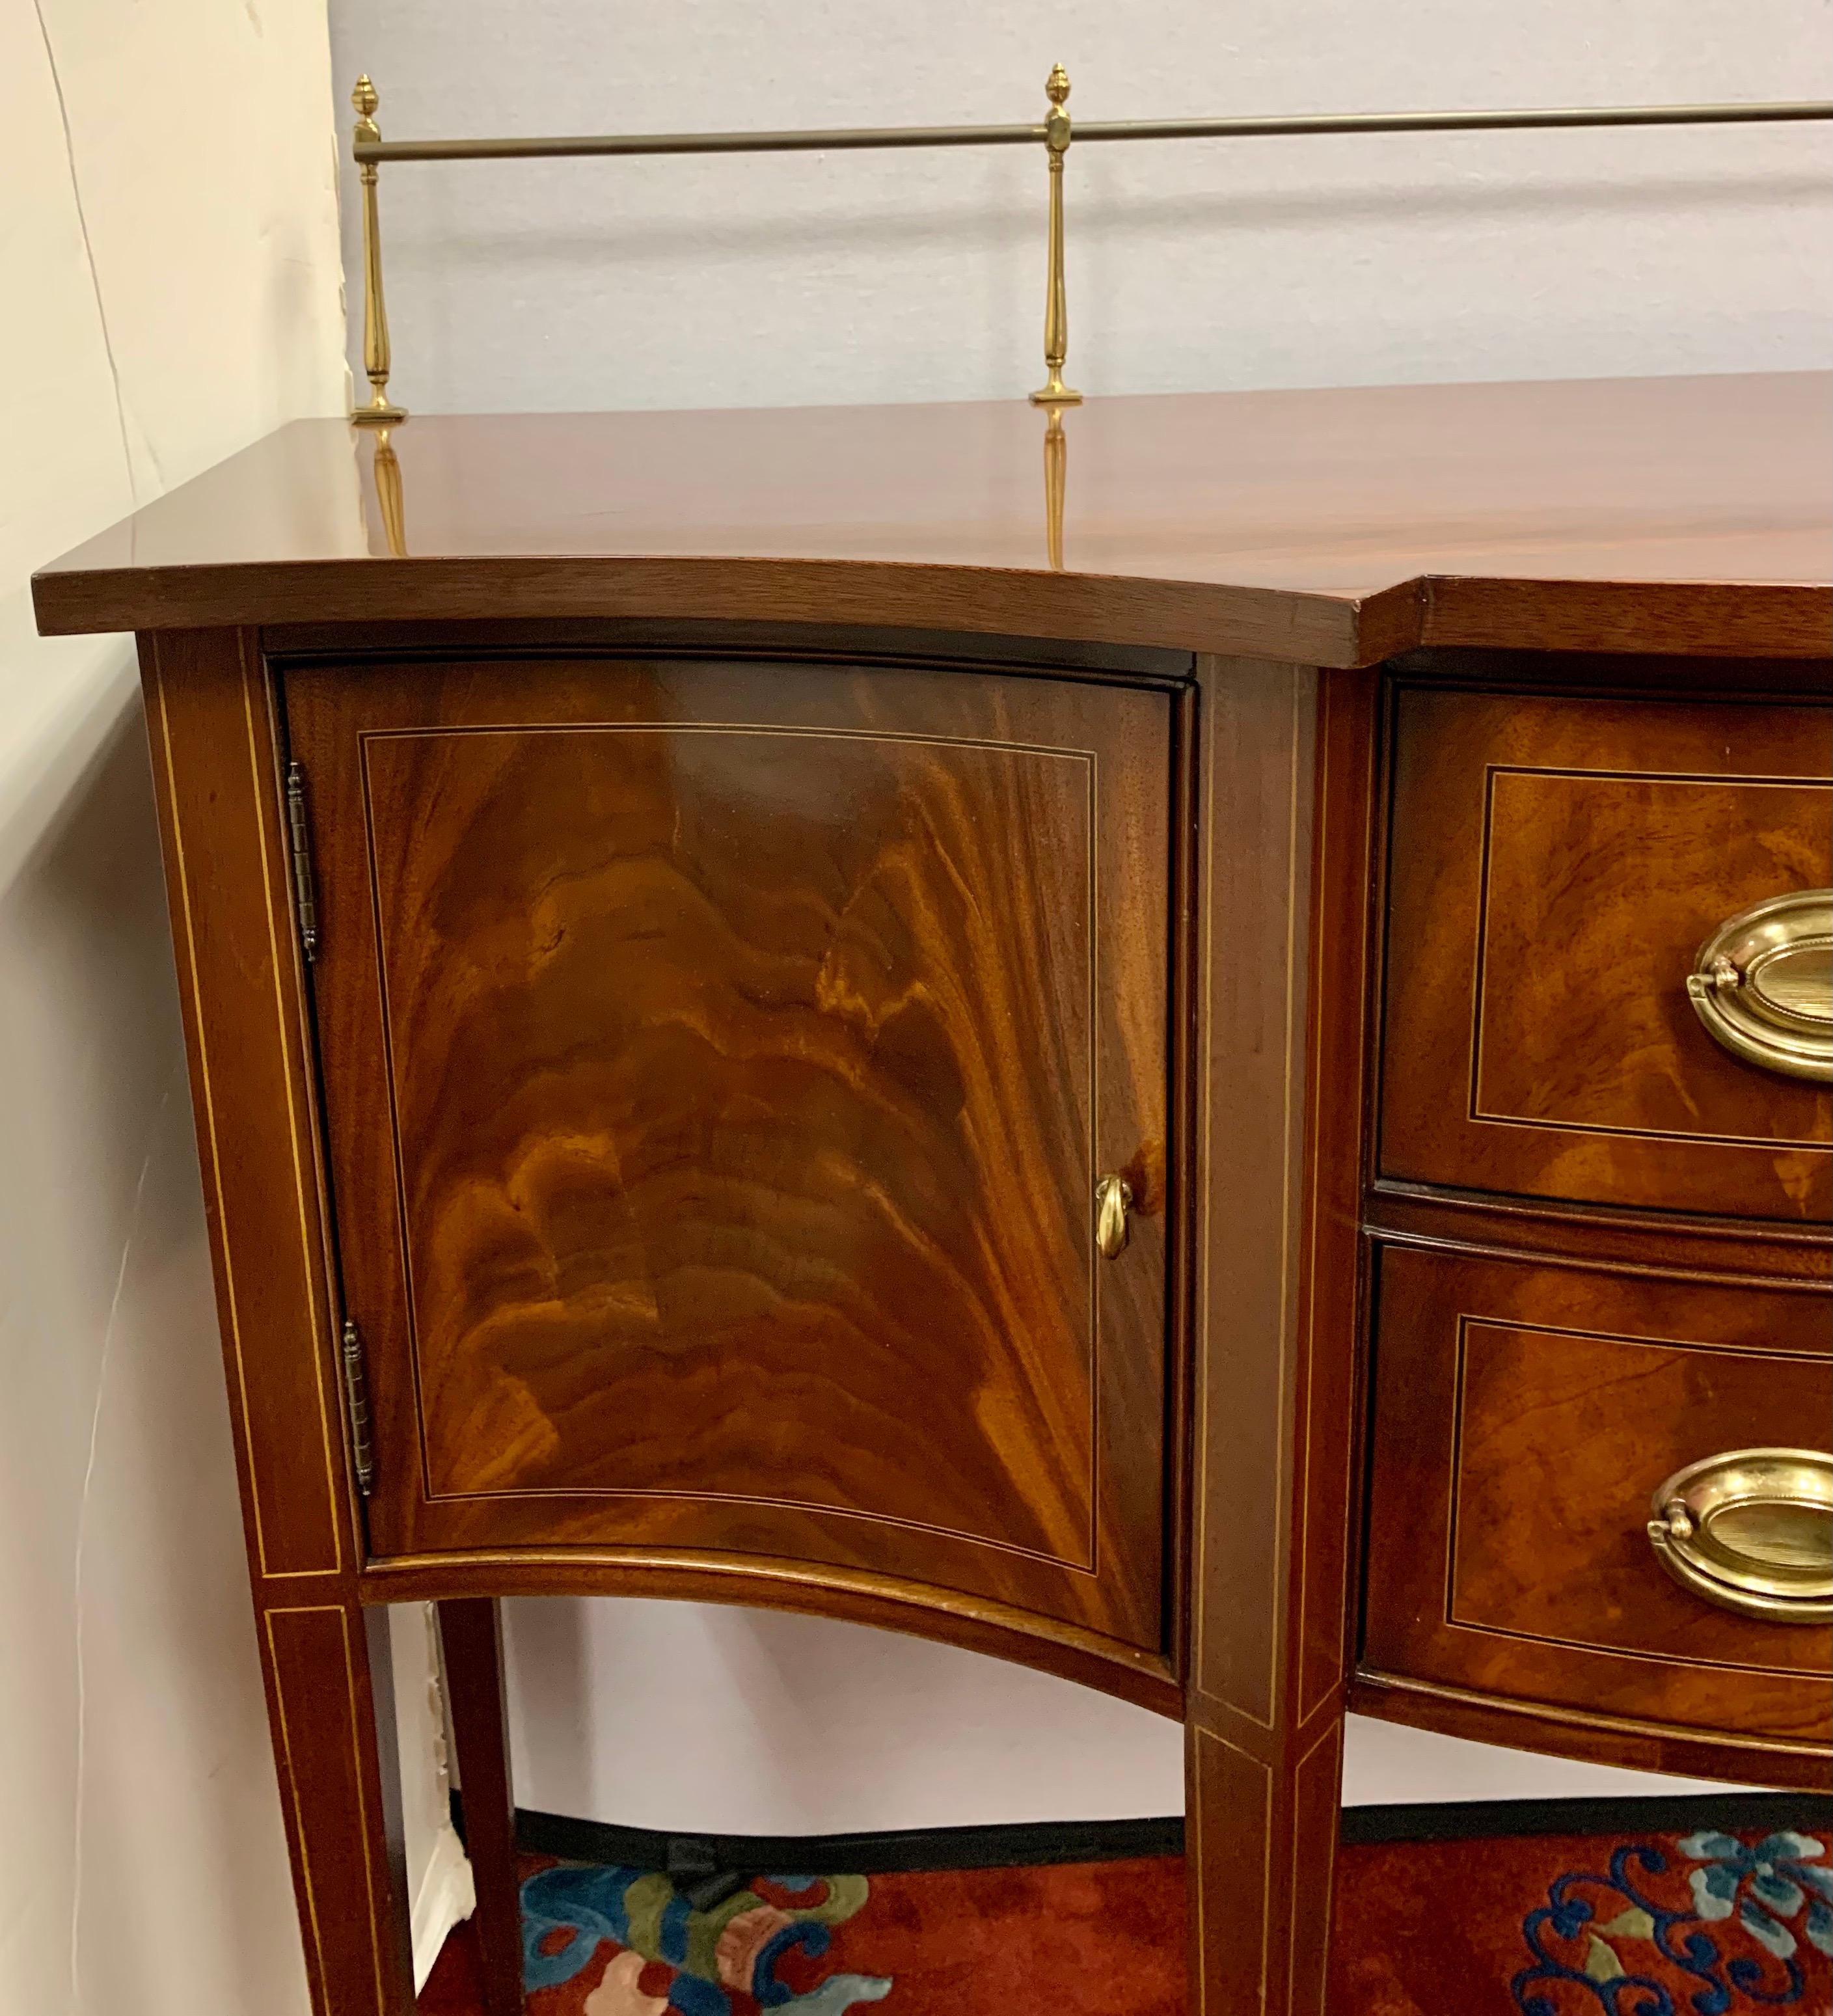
(325, 1663)
(249, 1048)
(1612, 1408)
(750, 1042)
(1557, 864)
(340, 1794)
(1523, 1415)
(720, 1052)
(1286, 831)
(1318, 527)
(1623, 1741)
(1261, 1840)
(886, 1603)
(1258, 750)
(1732, 1252)
(1707, 619)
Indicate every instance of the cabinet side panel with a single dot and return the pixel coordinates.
(218, 781)
(218, 765)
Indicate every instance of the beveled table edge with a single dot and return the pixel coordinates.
(1717, 619)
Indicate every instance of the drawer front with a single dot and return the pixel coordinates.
(720, 1064)
(1524, 1416)
(1557, 865)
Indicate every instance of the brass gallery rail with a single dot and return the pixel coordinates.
(1054, 133)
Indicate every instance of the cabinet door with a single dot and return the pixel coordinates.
(720, 1061)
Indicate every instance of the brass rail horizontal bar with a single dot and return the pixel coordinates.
(845, 139)
(1056, 134)
(838, 139)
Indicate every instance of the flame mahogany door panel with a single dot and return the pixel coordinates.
(719, 1061)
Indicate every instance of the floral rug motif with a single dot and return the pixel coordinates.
(1700, 1924)
(1707, 1926)
(1077, 1939)
(642, 1950)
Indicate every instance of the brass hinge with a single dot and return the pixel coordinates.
(305, 899)
(356, 1398)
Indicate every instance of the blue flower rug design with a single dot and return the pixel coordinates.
(1703, 1923)
(1708, 1926)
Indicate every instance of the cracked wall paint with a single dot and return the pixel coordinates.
(103, 1353)
(168, 218)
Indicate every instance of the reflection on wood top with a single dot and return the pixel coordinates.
(1675, 514)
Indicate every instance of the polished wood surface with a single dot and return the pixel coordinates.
(1557, 864)
(1284, 817)
(1627, 1743)
(1523, 1415)
(1320, 527)
(721, 1060)
(746, 938)
(216, 750)
(1150, 1679)
(249, 1044)
(1728, 1250)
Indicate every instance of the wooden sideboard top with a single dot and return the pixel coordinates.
(1689, 516)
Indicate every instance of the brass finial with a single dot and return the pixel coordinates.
(1053, 392)
(378, 413)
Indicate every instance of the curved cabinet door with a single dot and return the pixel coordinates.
(721, 1060)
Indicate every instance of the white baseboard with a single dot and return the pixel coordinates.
(446, 1896)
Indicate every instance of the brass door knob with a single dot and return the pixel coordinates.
(1113, 1200)
(1752, 1530)
(1762, 984)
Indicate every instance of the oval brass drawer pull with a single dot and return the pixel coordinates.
(1113, 1200)
(1763, 984)
(1752, 1530)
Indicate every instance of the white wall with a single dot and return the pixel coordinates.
(590, 284)
(691, 1718)
(168, 238)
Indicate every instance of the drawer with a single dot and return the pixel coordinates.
(1557, 865)
(720, 1064)
(1524, 1416)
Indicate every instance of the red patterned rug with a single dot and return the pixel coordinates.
(1702, 1923)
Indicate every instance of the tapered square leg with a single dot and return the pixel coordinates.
(472, 1632)
(332, 1711)
(1261, 1833)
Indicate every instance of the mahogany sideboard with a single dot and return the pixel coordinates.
(1192, 1052)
